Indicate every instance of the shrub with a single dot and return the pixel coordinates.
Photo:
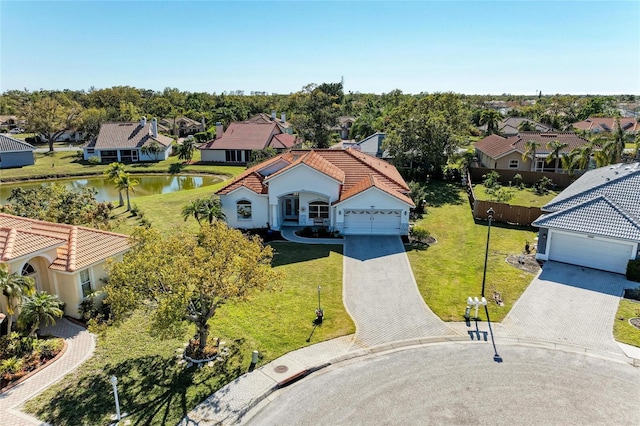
(633, 270)
(94, 160)
(49, 348)
(420, 235)
(543, 185)
(11, 366)
(135, 210)
(306, 232)
(491, 180)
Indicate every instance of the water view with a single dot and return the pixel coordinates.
(149, 185)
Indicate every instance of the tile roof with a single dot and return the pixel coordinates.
(127, 135)
(607, 124)
(619, 185)
(598, 216)
(370, 182)
(245, 135)
(9, 144)
(77, 247)
(283, 141)
(349, 167)
(496, 146)
(265, 118)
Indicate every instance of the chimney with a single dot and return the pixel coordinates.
(219, 130)
(273, 115)
(154, 127)
(204, 128)
(143, 121)
(283, 118)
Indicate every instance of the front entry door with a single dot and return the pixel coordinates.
(291, 208)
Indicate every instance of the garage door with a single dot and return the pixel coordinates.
(372, 222)
(594, 253)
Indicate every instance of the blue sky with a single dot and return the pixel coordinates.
(515, 47)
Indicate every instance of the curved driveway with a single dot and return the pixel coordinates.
(460, 384)
(381, 294)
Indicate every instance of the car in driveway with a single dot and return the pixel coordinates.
(16, 131)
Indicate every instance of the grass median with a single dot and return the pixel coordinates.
(451, 270)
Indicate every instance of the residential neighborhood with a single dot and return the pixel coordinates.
(236, 218)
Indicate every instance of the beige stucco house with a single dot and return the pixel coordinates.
(64, 260)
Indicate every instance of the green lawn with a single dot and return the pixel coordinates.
(155, 390)
(69, 164)
(622, 330)
(526, 197)
(451, 270)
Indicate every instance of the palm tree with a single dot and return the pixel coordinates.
(530, 149)
(112, 173)
(571, 161)
(125, 183)
(186, 148)
(40, 308)
(201, 208)
(584, 156)
(619, 139)
(490, 117)
(555, 146)
(14, 287)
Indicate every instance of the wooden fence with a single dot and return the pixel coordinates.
(505, 213)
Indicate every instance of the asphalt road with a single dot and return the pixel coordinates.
(461, 384)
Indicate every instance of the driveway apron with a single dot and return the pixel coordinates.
(568, 304)
(381, 294)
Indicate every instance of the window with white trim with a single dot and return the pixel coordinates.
(513, 164)
(318, 209)
(85, 282)
(244, 209)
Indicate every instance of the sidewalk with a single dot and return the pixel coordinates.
(80, 346)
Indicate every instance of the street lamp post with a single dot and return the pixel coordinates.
(490, 213)
(114, 382)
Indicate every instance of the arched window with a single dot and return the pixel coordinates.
(244, 209)
(319, 209)
(27, 270)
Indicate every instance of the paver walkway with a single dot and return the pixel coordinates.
(568, 304)
(80, 346)
(381, 294)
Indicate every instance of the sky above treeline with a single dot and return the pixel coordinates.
(473, 47)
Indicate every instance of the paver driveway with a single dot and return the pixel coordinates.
(381, 295)
(568, 304)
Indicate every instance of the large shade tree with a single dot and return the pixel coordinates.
(50, 117)
(319, 108)
(183, 277)
(427, 131)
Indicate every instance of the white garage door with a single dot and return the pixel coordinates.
(594, 253)
(372, 222)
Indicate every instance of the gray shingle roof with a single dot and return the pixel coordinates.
(580, 206)
(126, 135)
(8, 144)
(598, 216)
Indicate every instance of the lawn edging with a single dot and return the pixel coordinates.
(37, 370)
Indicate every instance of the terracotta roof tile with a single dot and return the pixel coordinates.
(369, 182)
(495, 145)
(347, 166)
(608, 124)
(77, 246)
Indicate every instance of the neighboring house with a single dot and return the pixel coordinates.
(344, 126)
(184, 126)
(597, 125)
(9, 122)
(510, 126)
(237, 142)
(281, 122)
(371, 145)
(125, 142)
(498, 152)
(64, 260)
(343, 190)
(595, 222)
(15, 153)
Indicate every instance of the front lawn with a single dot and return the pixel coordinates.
(69, 164)
(622, 330)
(526, 197)
(451, 270)
(155, 390)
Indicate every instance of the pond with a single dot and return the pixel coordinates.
(148, 185)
